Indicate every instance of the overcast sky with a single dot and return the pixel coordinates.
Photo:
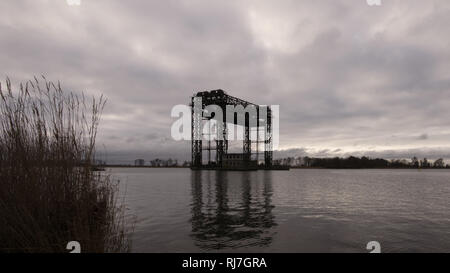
(349, 78)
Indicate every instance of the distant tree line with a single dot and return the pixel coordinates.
(329, 163)
(163, 163)
(361, 163)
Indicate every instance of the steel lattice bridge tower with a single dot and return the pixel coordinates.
(223, 160)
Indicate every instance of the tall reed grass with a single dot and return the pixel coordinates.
(49, 191)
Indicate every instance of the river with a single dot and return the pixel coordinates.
(302, 210)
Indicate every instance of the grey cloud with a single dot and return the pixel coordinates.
(347, 76)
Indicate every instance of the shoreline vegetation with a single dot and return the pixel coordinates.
(294, 167)
(313, 163)
(49, 192)
(363, 163)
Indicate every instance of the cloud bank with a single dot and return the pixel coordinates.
(349, 78)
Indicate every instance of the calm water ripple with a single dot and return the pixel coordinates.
(179, 210)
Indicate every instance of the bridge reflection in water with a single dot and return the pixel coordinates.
(232, 209)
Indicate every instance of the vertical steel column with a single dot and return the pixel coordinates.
(268, 153)
(221, 141)
(196, 134)
(257, 136)
(257, 145)
(209, 142)
(247, 140)
(225, 138)
(219, 146)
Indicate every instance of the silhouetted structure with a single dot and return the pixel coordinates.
(236, 162)
(164, 162)
(360, 163)
(139, 162)
(221, 99)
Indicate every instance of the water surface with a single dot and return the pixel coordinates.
(179, 210)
